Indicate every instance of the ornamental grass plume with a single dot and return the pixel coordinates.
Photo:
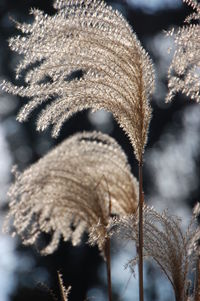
(89, 36)
(165, 242)
(115, 73)
(195, 249)
(184, 72)
(73, 188)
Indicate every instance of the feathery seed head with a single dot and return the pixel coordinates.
(86, 35)
(164, 241)
(184, 72)
(73, 188)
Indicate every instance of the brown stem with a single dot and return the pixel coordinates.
(140, 246)
(107, 254)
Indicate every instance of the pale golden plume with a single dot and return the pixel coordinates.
(72, 189)
(184, 72)
(115, 72)
(165, 242)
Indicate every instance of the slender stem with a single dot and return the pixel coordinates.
(140, 246)
(107, 249)
(107, 252)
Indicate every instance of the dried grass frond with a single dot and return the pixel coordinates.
(72, 189)
(195, 247)
(164, 241)
(184, 72)
(64, 292)
(89, 36)
(195, 250)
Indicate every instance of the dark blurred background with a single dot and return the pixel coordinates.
(171, 169)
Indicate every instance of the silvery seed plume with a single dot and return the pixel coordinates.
(195, 247)
(164, 241)
(184, 72)
(89, 36)
(73, 188)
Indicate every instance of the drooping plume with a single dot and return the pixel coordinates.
(73, 188)
(115, 72)
(184, 72)
(165, 242)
